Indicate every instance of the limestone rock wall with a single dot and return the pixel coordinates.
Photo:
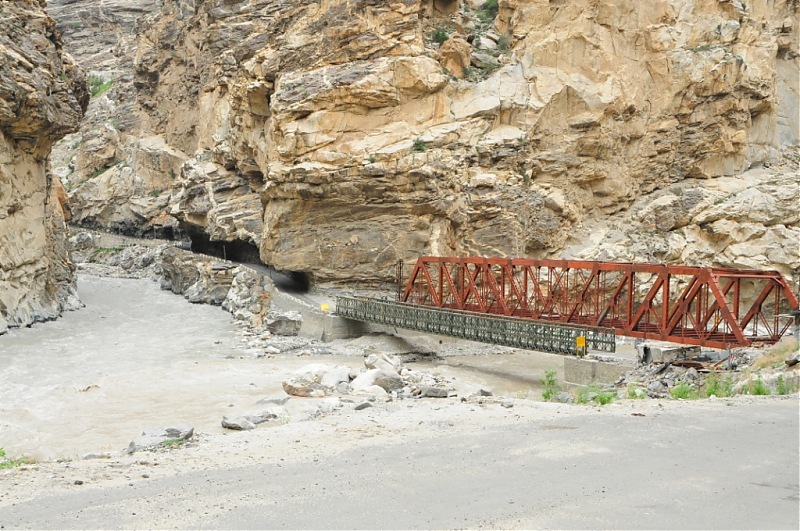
(341, 136)
(43, 95)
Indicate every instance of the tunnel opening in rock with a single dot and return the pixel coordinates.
(301, 281)
(235, 251)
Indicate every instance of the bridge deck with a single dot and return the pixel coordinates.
(496, 329)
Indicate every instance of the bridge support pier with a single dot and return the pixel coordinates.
(335, 327)
(582, 371)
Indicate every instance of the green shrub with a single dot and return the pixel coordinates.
(550, 385)
(439, 35)
(488, 11)
(594, 394)
(758, 387)
(684, 391)
(503, 44)
(98, 86)
(635, 392)
(719, 388)
(419, 145)
(784, 387)
(605, 397)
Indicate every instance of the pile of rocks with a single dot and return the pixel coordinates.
(737, 366)
(656, 379)
(383, 376)
(112, 256)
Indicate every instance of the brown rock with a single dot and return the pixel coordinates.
(454, 55)
(43, 95)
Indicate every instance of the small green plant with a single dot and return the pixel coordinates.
(418, 145)
(6, 463)
(155, 193)
(371, 159)
(593, 393)
(635, 392)
(684, 391)
(719, 388)
(488, 11)
(503, 44)
(439, 35)
(758, 387)
(173, 443)
(98, 86)
(550, 385)
(701, 48)
(784, 386)
(99, 171)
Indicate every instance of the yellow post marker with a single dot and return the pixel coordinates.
(325, 308)
(580, 343)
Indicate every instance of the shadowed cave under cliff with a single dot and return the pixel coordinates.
(247, 253)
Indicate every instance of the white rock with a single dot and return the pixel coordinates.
(383, 361)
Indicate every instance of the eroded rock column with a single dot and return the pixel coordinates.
(43, 96)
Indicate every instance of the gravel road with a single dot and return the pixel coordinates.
(725, 464)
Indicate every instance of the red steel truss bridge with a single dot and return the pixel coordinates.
(712, 307)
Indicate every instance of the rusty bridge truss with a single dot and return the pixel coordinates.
(710, 307)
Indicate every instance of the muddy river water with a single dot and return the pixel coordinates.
(137, 357)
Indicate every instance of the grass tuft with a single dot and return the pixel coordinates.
(758, 387)
(719, 388)
(684, 391)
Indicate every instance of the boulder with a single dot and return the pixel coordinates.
(248, 422)
(389, 381)
(283, 323)
(154, 437)
(315, 380)
(434, 392)
(237, 423)
(384, 362)
(454, 55)
(564, 397)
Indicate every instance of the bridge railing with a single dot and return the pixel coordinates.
(508, 331)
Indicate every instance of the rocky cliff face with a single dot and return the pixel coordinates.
(42, 97)
(341, 136)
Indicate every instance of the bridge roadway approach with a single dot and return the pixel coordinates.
(496, 329)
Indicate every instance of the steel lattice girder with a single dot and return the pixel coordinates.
(693, 305)
(497, 329)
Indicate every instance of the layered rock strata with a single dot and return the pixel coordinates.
(339, 137)
(43, 95)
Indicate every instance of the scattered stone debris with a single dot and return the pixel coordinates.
(383, 376)
(154, 437)
(681, 372)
